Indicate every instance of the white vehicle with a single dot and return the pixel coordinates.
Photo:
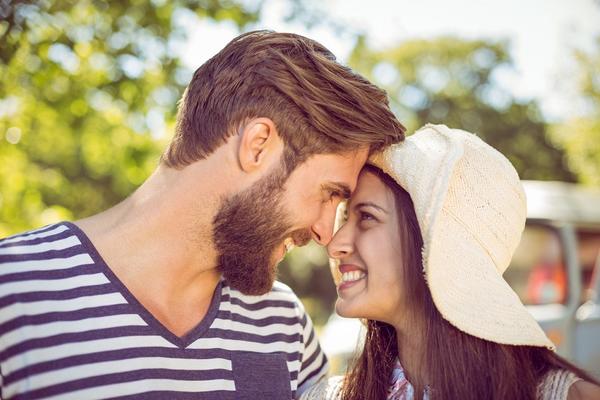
(555, 271)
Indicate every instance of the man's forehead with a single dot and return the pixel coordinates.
(346, 174)
(348, 162)
(358, 156)
(333, 172)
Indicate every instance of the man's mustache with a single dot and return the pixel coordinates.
(301, 237)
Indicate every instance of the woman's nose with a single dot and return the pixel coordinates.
(340, 245)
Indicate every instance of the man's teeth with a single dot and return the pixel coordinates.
(352, 276)
(289, 244)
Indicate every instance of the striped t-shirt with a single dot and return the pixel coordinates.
(69, 329)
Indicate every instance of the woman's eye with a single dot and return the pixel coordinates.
(365, 216)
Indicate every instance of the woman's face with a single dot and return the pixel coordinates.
(367, 248)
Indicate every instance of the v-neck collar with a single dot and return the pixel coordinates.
(138, 308)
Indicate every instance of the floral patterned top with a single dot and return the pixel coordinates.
(331, 389)
(554, 386)
(400, 387)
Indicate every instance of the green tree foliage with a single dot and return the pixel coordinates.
(87, 89)
(580, 137)
(453, 81)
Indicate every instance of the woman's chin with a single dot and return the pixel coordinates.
(345, 309)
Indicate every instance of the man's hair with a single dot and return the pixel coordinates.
(318, 106)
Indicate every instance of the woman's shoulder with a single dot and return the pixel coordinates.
(562, 384)
(583, 390)
(325, 389)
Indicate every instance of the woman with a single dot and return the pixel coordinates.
(429, 231)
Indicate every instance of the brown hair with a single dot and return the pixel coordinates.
(454, 364)
(317, 105)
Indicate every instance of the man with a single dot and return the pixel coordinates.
(171, 294)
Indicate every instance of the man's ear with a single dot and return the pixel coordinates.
(260, 144)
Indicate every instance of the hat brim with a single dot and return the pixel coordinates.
(465, 284)
(490, 310)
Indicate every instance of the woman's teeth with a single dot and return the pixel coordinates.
(352, 276)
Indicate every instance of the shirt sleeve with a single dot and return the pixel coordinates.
(325, 389)
(314, 362)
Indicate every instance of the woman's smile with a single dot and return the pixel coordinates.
(351, 275)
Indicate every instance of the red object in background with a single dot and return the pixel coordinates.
(547, 284)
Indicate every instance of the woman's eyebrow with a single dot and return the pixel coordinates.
(370, 204)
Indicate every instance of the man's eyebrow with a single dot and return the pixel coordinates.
(370, 204)
(341, 188)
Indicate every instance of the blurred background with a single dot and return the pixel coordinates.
(89, 88)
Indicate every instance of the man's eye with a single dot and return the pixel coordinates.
(333, 195)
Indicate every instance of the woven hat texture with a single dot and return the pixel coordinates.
(471, 209)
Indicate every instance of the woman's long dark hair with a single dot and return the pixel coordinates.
(454, 365)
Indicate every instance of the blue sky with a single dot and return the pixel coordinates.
(543, 34)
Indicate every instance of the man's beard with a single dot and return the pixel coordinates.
(247, 230)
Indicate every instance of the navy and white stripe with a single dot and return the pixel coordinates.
(69, 329)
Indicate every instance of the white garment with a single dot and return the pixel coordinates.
(554, 386)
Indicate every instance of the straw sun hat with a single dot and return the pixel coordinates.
(471, 210)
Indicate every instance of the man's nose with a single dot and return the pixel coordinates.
(322, 230)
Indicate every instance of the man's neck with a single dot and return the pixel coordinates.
(158, 242)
